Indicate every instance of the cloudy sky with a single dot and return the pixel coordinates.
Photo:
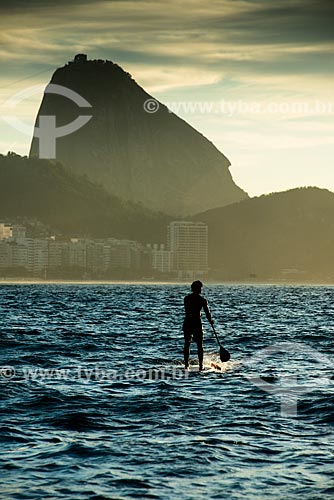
(254, 76)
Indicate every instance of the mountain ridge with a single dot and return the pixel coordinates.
(276, 235)
(284, 236)
(157, 159)
(70, 204)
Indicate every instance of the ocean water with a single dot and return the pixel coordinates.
(95, 403)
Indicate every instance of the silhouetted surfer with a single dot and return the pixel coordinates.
(192, 325)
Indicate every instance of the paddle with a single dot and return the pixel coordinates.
(223, 353)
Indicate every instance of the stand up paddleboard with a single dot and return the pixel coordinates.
(197, 370)
(206, 368)
(215, 366)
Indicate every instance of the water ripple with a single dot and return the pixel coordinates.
(101, 428)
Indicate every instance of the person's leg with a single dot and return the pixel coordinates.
(200, 353)
(198, 338)
(186, 352)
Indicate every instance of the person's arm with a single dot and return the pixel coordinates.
(207, 312)
(185, 304)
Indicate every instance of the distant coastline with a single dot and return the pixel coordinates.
(5, 281)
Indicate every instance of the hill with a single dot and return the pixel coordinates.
(155, 158)
(287, 235)
(71, 204)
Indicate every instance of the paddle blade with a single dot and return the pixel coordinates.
(224, 354)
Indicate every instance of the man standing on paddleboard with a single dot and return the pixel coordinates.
(192, 325)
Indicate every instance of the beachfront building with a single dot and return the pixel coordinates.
(162, 259)
(18, 255)
(8, 231)
(58, 249)
(188, 242)
(5, 231)
(37, 254)
(77, 253)
(24, 253)
(18, 232)
(5, 255)
(122, 254)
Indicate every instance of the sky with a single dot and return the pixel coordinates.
(254, 76)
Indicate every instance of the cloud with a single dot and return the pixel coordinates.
(236, 37)
(188, 44)
(253, 50)
(290, 21)
(11, 5)
(159, 79)
(251, 141)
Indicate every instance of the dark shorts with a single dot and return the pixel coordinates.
(192, 331)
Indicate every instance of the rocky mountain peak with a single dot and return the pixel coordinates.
(154, 158)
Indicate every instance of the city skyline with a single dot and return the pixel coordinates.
(184, 254)
(253, 78)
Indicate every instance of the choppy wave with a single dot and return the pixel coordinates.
(99, 407)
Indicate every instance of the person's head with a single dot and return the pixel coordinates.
(196, 286)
